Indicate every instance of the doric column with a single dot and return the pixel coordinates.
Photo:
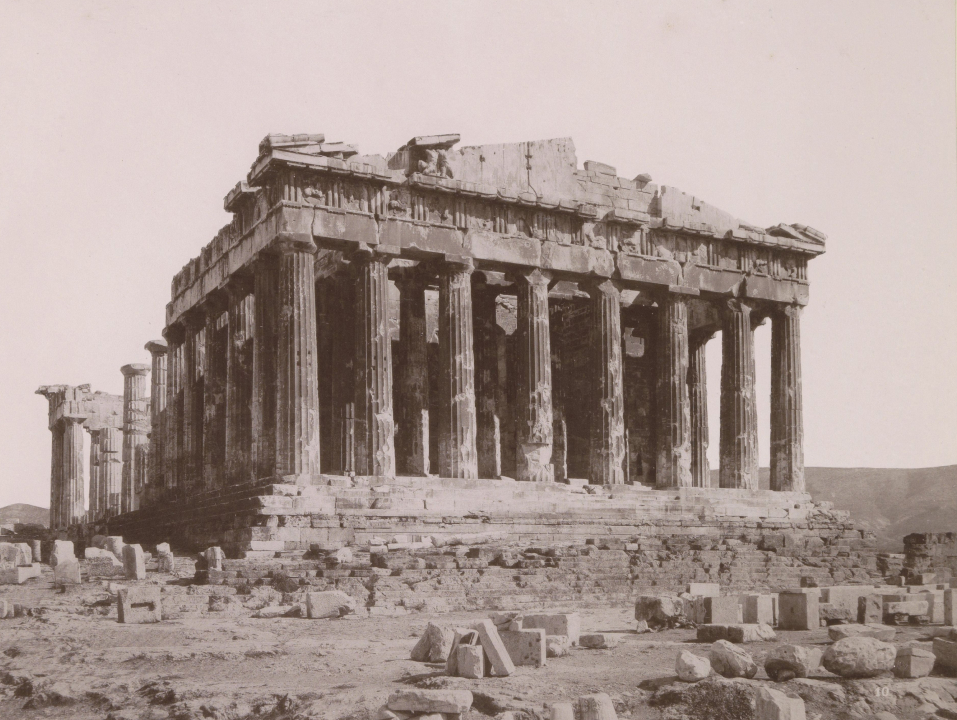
(266, 275)
(159, 350)
(194, 351)
(607, 447)
(739, 436)
(135, 430)
(556, 323)
(375, 431)
(787, 420)
(72, 496)
(297, 384)
(111, 470)
(487, 411)
(534, 419)
(342, 394)
(674, 409)
(95, 509)
(507, 392)
(698, 394)
(56, 476)
(412, 378)
(239, 380)
(173, 440)
(214, 390)
(457, 442)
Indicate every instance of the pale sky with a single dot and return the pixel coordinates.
(123, 125)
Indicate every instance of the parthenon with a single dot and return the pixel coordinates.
(459, 313)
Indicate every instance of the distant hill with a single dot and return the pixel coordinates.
(25, 514)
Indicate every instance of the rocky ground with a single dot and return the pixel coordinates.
(73, 659)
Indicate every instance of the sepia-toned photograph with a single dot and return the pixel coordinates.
(460, 360)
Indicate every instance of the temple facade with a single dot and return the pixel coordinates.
(460, 314)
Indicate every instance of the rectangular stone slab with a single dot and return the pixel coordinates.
(138, 605)
(559, 624)
(525, 647)
(502, 664)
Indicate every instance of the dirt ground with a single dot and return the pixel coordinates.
(75, 660)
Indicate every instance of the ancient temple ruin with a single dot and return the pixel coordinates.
(451, 332)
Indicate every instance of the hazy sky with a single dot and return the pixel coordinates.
(123, 125)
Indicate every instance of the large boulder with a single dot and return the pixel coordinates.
(434, 645)
(731, 661)
(884, 633)
(658, 610)
(692, 668)
(785, 662)
(859, 657)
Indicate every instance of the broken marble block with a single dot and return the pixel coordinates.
(165, 562)
(556, 624)
(885, 633)
(913, 662)
(461, 636)
(771, 704)
(138, 605)
(758, 609)
(870, 609)
(498, 656)
(214, 558)
(859, 657)
(737, 633)
(67, 572)
(691, 668)
(328, 604)
(704, 589)
(434, 645)
(718, 610)
(419, 701)
(470, 661)
(134, 563)
(658, 611)
(596, 707)
(946, 652)
(785, 662)
(557, 646)
(598, 641)
(62, 550)
(731, 661)
(798, 610)
(114, 543)
(526, 646)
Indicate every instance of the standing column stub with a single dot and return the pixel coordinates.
(136, 423)
(607, 443)
(375, 431)
(787, 415)
(158, 350)
(739, 435)
(412, 376)
(297, 384)
(534, 431)
(458, 456)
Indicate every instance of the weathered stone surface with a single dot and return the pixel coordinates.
(704, 589)
(859, 657)
(598, 641)
(784, 662)
(560, 711)
(719, 610)
(214, 558)
(946, 652)
(870, 609)
(909, 607)
(884, 633)
(138, 605)
(732, 661)
(166, 562)
(658, 610)
(557, 645)
(739, 432)
(328, 604)
(430, 701)
(62, 550)
(692, 668)
(607, 434)
(434, 645)
(771, 704)
(798, 610)
(461, 636)
(737, 633)
(470, 661)
(913, 662)
(758, 609)
(67, 572)
(568, 624)
(526, 646)
(134, 563)
(596, 707)
(498, 656)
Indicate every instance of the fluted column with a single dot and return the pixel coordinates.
(487, 410)
(72, 497)
(135, 430)
(534, 432)
(787, 419)
(607, 447)
(266, 275)
(375, 431)
(674, 408)
(412, 379)
(94, 508)
(239, 381)
(214, 390)
(159, 350)
(111, 470)
(556, 323)
(698, 394)
(56, 476)
(457, 442)
(739, 436)
(194, 351)
(297, 384)
(173, 440)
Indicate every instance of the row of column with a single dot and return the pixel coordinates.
(242, 383)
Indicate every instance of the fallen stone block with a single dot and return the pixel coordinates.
(526, 646)
(704, 589)
(419, 701)
(598, 641)
(758, 609)
(383, 713)
(470, 661)
(771, 704)
(18, 575)
(658, 611)
(95, 553)
(67, 572)
(870, 609)
(461, 636)
(884, 633)
(946, 652)
(731, 661)
(62, 550)
(718, 610)
(137, 605)
(737, 633)
(434, 645)
(913, 662)
(558, 624)
(859, 657)
(691, 668)
(16, 554)
(910, 607)
(214, 558)
(829, 614)
(596, 707)
(798, 610)
(491, 642)
(165, 562)
(134, 563)
(560, 711)
(115, 544)
(328, 604)
(557, 646)
(785, 662)
(275, 611)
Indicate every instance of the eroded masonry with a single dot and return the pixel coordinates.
(451, 339)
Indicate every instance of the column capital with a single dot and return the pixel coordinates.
(453, 264)
(411, 278)
(732, 305)
(535, 277)
(700, 336)
(75, 418)
(215, 303)
(293, 242)
(134, 369)
(175, 332)
(601, 285)
(364, 252)
(156, 347)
